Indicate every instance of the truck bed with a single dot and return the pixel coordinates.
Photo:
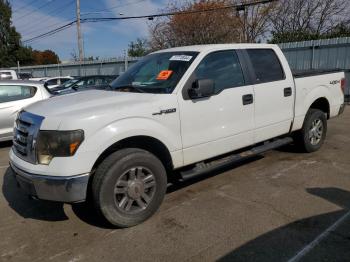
(313, 72)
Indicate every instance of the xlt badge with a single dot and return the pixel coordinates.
(165, 111)
(334, 82)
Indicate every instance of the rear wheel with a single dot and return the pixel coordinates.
(129, 186)
(313, 133)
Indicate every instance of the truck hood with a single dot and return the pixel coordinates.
(88, 102)
(95, 107)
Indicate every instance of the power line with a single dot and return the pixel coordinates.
(107, 10)
(23, 6)
(92, 20)
(34, 10)
(237, 7)
(54, 31)
(51, 26)
(56, 11)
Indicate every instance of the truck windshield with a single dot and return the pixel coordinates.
(156, 73)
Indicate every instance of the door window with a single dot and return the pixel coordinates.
(51, 82)
(223, 68)
(266, 65)
(13, 93)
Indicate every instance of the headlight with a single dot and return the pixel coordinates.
(52, 144)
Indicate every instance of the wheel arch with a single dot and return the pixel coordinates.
(322, 104)
(148, 143)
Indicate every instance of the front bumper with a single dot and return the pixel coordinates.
(69, 189)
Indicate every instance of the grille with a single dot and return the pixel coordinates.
(26, 130)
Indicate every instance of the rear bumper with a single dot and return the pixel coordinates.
(70, 189)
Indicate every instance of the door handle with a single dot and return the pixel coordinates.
(287, 91)
(247, 99)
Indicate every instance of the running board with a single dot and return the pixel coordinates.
(203, 167)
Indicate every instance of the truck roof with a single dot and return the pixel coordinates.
(201, 48)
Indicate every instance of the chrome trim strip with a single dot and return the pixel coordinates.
(27, 126)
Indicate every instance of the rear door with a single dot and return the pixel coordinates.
(223, 122)
(274, 94)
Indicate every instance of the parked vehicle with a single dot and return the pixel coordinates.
(24, 76)
(14, 95)
(37, 78)
(85, 83)
(8, 75)
(53, 82)
(187, 109)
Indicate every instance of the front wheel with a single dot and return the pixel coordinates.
(129, 186)
(313, 133)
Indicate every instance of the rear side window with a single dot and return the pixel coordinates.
(63, 80)
(5, 76)
(266, 65)
(52, 82)
(223, 68)
(10, 93)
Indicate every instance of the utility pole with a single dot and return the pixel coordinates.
(80, 43)
(125, 60)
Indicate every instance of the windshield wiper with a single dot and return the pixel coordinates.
(129, 86)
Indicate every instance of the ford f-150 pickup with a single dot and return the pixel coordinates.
(176, 113)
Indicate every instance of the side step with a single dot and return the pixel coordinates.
(204, 167)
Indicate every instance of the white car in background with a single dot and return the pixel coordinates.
(37, 78)
(14, 95)
(8, 75)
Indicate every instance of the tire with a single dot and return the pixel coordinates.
(313, 133)
(129, 186)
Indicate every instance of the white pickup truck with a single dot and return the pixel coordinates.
(180, 111)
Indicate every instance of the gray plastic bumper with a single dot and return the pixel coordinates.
(53, 188)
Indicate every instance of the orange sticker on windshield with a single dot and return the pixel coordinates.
(164, 75)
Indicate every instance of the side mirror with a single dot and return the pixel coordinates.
(201, 88)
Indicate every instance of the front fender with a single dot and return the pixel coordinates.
(129, 127)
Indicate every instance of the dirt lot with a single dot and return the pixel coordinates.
(281, 206)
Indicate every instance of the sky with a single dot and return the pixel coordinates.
(105, 39)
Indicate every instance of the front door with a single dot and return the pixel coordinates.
(223, 122)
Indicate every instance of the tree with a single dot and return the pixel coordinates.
(74, 55)
(138, 48)
(221, 26)
(45, 57)
(254, 21)
(11, 48)
(298, 20)
(8, 35)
